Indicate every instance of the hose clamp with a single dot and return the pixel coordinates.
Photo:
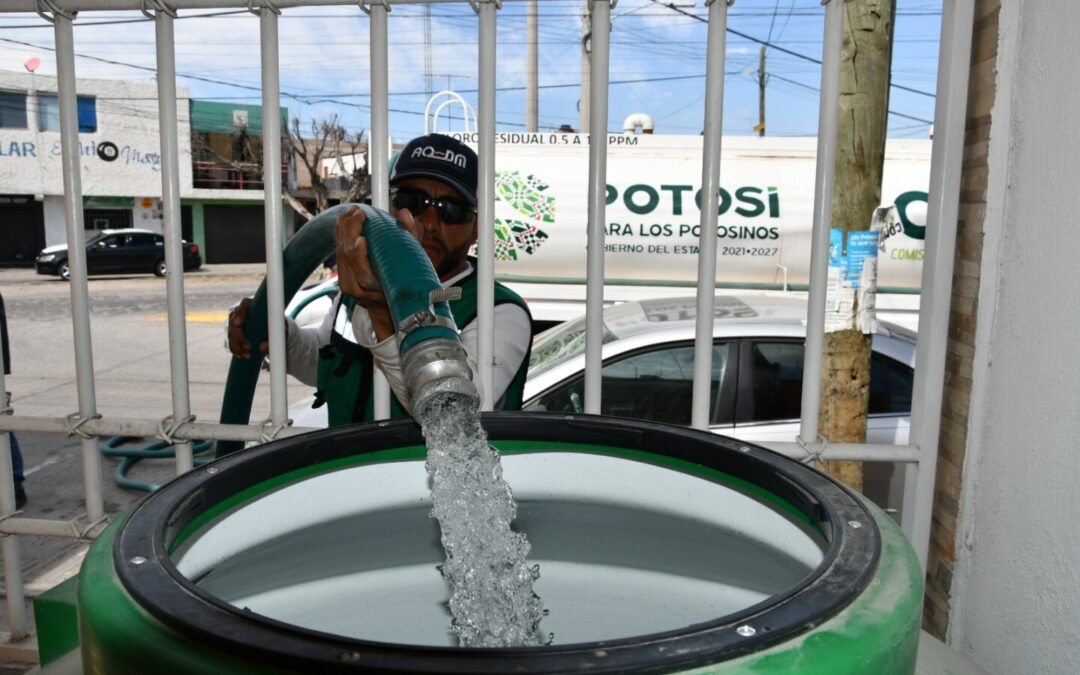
(168, 426)
(366, 5)
(428, 317)
(74, 424)
(813, 453)
(44, 6)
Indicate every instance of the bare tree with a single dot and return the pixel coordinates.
(328, 139)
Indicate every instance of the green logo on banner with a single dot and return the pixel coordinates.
(910, 200)
(526, 195)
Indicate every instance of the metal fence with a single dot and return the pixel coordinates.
(180, 427)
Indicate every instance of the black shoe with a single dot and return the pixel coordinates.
(20, 498)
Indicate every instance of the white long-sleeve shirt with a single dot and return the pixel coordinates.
(513, 334)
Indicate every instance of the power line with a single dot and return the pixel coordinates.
(770, 45)
(812, 88)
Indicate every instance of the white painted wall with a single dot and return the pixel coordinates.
(1016, 591)
(127, 117)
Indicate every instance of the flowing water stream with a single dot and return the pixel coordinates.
(491, 584)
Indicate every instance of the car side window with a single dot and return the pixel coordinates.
(654, 385)
(771, 383)
(143, 240)
(115, 241)
(891, 383)
(775, 376)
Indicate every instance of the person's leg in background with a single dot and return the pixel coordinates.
(17, 471)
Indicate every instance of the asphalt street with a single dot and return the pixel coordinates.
(130, 345)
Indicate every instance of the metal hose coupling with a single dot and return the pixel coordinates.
(437, 366)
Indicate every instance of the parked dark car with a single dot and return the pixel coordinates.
(118, 251)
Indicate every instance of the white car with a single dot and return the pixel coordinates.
(648, 356)
(757, 364)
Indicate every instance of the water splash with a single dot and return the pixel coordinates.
(491, 595)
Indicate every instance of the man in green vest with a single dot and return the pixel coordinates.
(433, 195)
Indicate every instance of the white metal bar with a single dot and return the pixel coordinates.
(594, 277)
(861, 452)
(710, 205)
(485, 244)
(946, 163)
(532, 75)
(15, 596)
(174, 257)
(584, 109)
(136, 5)
(275, 275)
(9, 546)
(828, 112)
(379, 140)
(379, 155)
(42, 527)
(76, 239)
(139, 428)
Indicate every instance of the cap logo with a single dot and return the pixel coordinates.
(447, 155)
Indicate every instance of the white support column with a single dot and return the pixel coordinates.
(379, 152)
(710, 206)
(485, 243)
(14, 595)
(76, 236)
(174, 257)
(828, 111)
(275, 275)
(946, 160)
(594, 279)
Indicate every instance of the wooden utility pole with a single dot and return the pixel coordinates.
(860, 155)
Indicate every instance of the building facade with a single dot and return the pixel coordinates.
(120, 168)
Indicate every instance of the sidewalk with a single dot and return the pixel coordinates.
(27, 275)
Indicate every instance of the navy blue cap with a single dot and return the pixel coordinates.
(440, 158)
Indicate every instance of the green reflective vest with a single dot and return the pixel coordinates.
(346, 370)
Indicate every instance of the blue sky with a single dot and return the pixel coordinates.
(657, 61)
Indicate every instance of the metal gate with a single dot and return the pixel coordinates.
(180, 427)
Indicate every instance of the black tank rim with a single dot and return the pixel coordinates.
(851, 559)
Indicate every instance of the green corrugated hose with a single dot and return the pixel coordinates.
(393, 254)
(157, 450)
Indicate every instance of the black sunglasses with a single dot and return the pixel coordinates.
(449, 211)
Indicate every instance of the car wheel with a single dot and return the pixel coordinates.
(64, 271)
(159, 268)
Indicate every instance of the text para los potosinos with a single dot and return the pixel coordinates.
(643, 199)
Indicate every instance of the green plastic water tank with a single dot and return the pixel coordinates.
(661, 549)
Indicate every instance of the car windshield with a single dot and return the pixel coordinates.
(558, 344)
(96, 237)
